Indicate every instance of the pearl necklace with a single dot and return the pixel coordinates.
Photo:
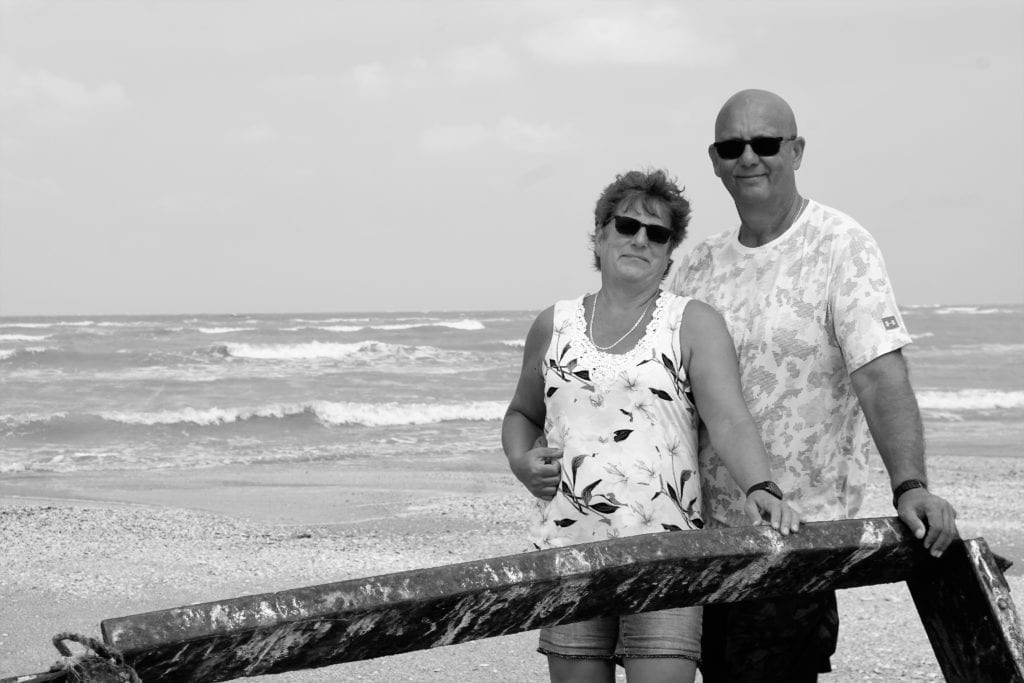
(593, 316)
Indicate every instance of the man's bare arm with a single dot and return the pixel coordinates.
(887, 399)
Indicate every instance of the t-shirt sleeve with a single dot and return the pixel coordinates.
(677, 284)
(692, 267)
(865, 318)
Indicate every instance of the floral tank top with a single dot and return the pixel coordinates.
(628, 429)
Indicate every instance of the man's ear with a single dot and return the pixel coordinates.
(798, 151)
(713, 155)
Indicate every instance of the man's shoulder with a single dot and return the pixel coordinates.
(699, 261)
(712, 243)
(718, 238)
(835, 231)
(834, 221)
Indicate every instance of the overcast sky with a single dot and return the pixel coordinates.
(194, 157)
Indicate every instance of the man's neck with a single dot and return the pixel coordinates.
(763, 223)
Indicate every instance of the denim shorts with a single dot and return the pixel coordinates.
(665, 633)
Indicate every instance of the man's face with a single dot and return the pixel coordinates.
(753, 178)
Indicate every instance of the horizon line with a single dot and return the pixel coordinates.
(400, 311)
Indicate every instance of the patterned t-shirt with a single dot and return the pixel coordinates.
(804, 310)
(628, 430)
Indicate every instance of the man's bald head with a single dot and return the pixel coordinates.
(756, 105)
(762, 177)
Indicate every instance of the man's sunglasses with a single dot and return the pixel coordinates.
(763, 147)
(627, 226)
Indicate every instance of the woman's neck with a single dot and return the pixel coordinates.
(624, 297)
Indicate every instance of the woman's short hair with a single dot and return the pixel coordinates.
(650, 190)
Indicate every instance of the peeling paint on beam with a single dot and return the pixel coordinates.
(395, 613)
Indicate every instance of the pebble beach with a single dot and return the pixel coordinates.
(82, 547)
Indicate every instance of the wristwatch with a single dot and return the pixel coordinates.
(770, 486)
(903, 488)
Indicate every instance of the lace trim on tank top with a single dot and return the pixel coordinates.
(605, 367)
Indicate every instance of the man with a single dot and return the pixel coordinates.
(804, 292)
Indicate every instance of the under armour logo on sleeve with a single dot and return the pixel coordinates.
(890, 322)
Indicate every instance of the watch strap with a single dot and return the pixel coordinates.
(907, 485)
(769, 486)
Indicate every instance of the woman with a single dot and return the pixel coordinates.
(603, 425)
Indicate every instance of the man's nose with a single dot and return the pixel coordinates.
(748, 157)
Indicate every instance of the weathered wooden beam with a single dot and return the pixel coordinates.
(46, 677)
(395, 613)
(965, 606)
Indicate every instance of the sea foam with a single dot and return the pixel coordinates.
(223, 330)
(1012, 350)
(970, 399)
(58, 323)
(366, 352)
(328, 412)
(329, 328)
(468, 325)
(24, 337)
(392, 414)
(28, 419)
(970, 310)
(7, 354)
(453, 324)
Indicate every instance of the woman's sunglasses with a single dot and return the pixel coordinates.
(763, 147)
(659, 234)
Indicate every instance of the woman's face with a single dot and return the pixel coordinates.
(633, 258)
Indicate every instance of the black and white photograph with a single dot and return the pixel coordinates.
(507, 341)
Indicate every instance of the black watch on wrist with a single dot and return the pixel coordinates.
(770, 486)
(903, 488)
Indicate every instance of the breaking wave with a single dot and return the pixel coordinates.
(970, 310)
(23, 337)
(6, 354)
(223, 330)
(327, 412)
(1012, 351)
(466, 325)
(59, 323)
(360, 352)
(970, 400)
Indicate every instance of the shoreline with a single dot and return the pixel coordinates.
(343, 492)
(86, 546)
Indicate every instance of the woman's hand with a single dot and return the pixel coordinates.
(762, 507)
(539, 469)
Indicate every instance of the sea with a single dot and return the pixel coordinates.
(192, 391)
